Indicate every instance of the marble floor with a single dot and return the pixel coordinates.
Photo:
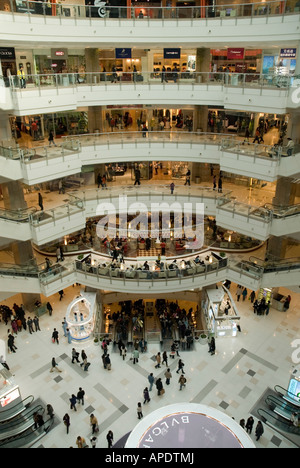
(233, 380)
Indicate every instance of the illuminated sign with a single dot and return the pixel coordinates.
(288, 52)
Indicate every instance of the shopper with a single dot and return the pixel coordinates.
(168, 376)
(80, 396)
(107, 362)
(252, 297)
(139, 411)
(80, 442)
(51, 138)
(67, 422)
(55, 337)
(36, 323)
(259, 430)
(94, 424)
(244, 294)
(50, 411)
(11, 343)
(151, 381)
(135, 356)
(159, 387)
(212, 346)
(249, 424)
(75, 355)
(94, 441)
(239, 292)
(40, 201)
(165, 358)
(110, 438)
(172, 187)
(146, 395)
(180, 367)
(158, 360)
(182, 381)
(61, 294)
(54, 366)
(73, 401)
(49, 308)
(124, 352)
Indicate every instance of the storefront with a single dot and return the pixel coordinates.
(220, 312)
(236, 60)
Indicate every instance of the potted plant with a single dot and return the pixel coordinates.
(203, 338)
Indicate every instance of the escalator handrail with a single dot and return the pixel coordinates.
(44, 426)
(18, 424)
(288, 427)
(286, 394)
(13, 415)
(279, 402)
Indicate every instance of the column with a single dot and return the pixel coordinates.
(95, 119)
(92, 65)
(202, 64)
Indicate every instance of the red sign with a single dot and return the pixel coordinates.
(235, 53)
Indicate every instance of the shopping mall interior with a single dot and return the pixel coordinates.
(149, 209)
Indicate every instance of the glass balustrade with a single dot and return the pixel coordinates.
(169, 78)
(103, 11)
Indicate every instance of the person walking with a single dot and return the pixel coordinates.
(55, 336)
(61, 294)
(94, 424)
(124, 352)
(83, 358)
(49, 308)
(212, 346)
(168, 376)
(94, 441)
(75, 355)
(110, 439)
(158, 361)
(54, 366)
(165, 358)
(220, 185)
(172, 187)
(50, 411)
(151, 381)
(146, 395)
(73, 401)
(135, 356)
(108, 362)
(259, 430)
(159, 387)
(21, 75)
(239, 292)
(252, 297)
(244, 294)
(51, 138)
(180, 367)
(11, 343)
(67, 422)
(139, 411)
(80, 396)
(182, 381)
(80, 442)
(40, 201)
(249, 424)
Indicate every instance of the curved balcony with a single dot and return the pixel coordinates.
(101, 275)
(70, 25)
(254, 221)
(240, 91)
(40, 164)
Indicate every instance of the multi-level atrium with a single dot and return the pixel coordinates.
(118, 122)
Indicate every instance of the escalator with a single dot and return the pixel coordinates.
(29, 437)
(280, 407)
(281, 425)
(291, 398)
(13, 430)
(11, 413)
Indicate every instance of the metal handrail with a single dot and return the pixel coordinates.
(136, 13)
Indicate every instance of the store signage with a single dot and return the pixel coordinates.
(235, 53)
(288, 53)
(7, 53)
(172, 53)
(59, 54)
(123, 53)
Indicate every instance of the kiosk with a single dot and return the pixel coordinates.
(80, 316)
(220, 320)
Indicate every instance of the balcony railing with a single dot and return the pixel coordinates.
(102, 10)
(140, 78)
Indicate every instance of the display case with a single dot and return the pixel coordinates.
(220, 312)
(80, 316)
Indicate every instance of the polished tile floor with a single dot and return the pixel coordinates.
(232, 381)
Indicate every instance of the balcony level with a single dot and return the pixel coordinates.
(237, 24)
(238, 91)
(15, 279)
(258, 222)
(40, 164)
